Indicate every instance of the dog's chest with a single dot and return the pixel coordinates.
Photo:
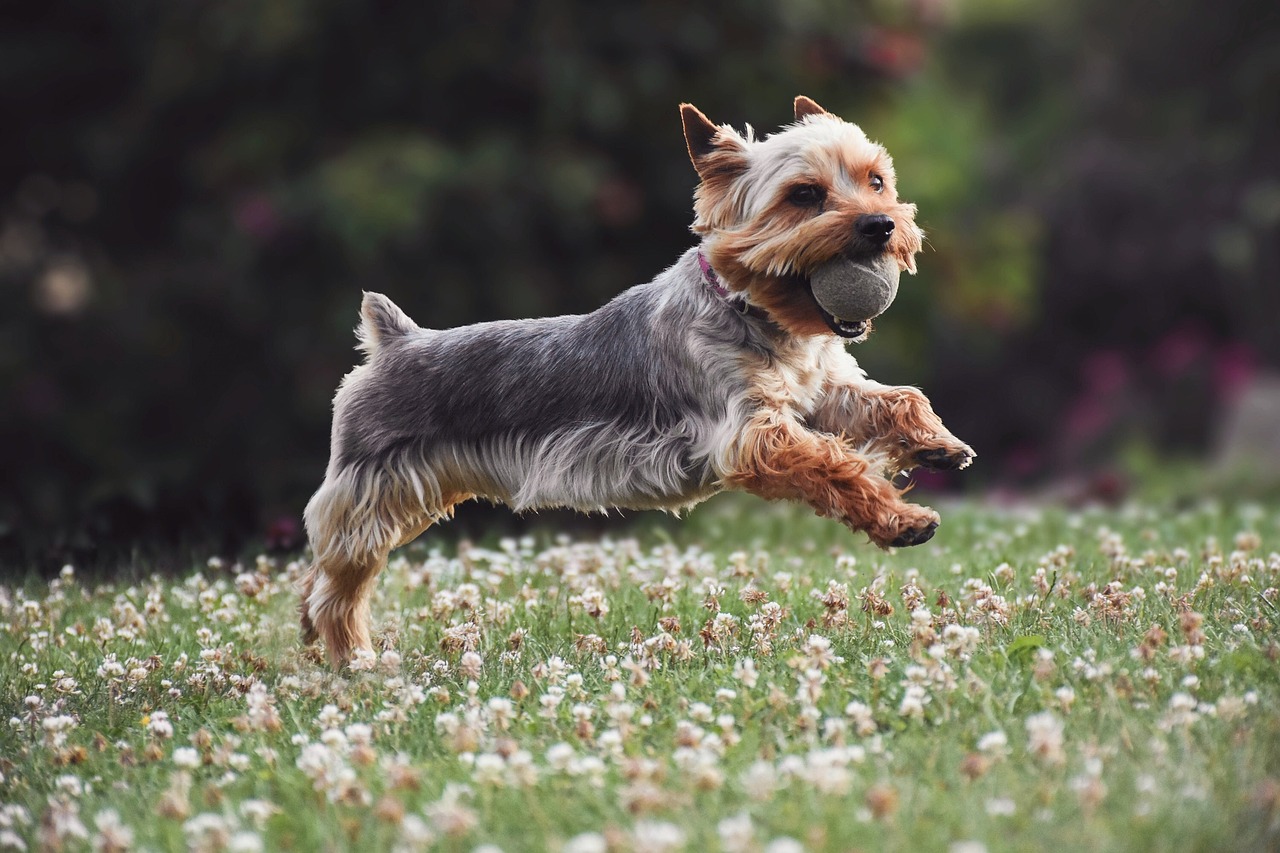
(796, 378)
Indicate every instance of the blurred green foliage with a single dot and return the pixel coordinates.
(192, 197)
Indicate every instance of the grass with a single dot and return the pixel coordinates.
(1093, 680)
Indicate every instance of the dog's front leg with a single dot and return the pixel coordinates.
(779, 459)
(894, 420)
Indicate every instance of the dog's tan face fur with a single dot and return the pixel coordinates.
(772, 211)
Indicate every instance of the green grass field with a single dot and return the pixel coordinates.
(750, 679)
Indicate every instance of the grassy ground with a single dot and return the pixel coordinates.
(756, 680)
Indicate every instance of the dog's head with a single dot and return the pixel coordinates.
(773, 211)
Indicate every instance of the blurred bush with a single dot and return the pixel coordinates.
(192, 197)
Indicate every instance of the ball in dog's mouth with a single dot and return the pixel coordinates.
(850, 292)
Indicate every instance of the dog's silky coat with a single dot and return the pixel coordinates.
(721, 373)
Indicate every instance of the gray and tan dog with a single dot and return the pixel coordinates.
(724, 372)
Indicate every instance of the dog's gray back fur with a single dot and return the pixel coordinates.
(630, 406)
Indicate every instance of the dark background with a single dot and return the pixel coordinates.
(193, 194)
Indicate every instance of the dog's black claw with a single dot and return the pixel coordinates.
(940, 459)
(915, 537)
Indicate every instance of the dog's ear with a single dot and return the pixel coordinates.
(712, 149)
(808, 107)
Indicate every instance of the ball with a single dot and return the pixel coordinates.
(856, 290)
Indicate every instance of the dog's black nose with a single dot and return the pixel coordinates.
(876, 227)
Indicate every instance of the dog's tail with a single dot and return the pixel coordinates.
(381, 320)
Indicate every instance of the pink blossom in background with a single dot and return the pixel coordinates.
(1178, 351)
(1024, 461)
(1234, 367)
(256, 215)
(1087, 417)
(1105, 373)
(283, 533)
(893, 52)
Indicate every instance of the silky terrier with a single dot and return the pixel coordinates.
(726, 371)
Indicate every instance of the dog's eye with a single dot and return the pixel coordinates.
(877, 183)
(807, 195)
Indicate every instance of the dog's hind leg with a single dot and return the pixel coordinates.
(337, 604)
(353, 523)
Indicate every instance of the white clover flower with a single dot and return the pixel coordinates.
(860, 714)
(586, 842)
(335, 739)
(1045, 737)
(521, 769)
(12, 814)
(56, 728)
(658, 836)
(745, 671)
(784, 844)
(960, 640)
(258, 812)
(489, 769)
(186, 757)
(1001, 807)
(111, 669)
(158, 725)
(827, 772)
(360, 734)
(391, 661)
(470, 664)
(760, 780)
(207, 831)
(415, 835)
(737, 833)
(701, 712)
(590, 767)
(994, 743)
(330, 717)
(62, 821)
(70, 785)
(449, 815)
(559, 755)
(1183, 711)
(245, 841)
(550, 702)
(967, 847)
(501, 711)
(914, 698)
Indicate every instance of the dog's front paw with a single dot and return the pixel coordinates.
(910, 525)
(944, 453)
(915, 536)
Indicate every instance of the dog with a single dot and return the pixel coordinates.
(721, 373)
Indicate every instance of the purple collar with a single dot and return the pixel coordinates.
(712, 281)
(710, 278)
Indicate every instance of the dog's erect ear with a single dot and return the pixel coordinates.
(808, 107)
(713, 150)
(699, 133)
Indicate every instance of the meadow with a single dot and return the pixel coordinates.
(750, 679)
